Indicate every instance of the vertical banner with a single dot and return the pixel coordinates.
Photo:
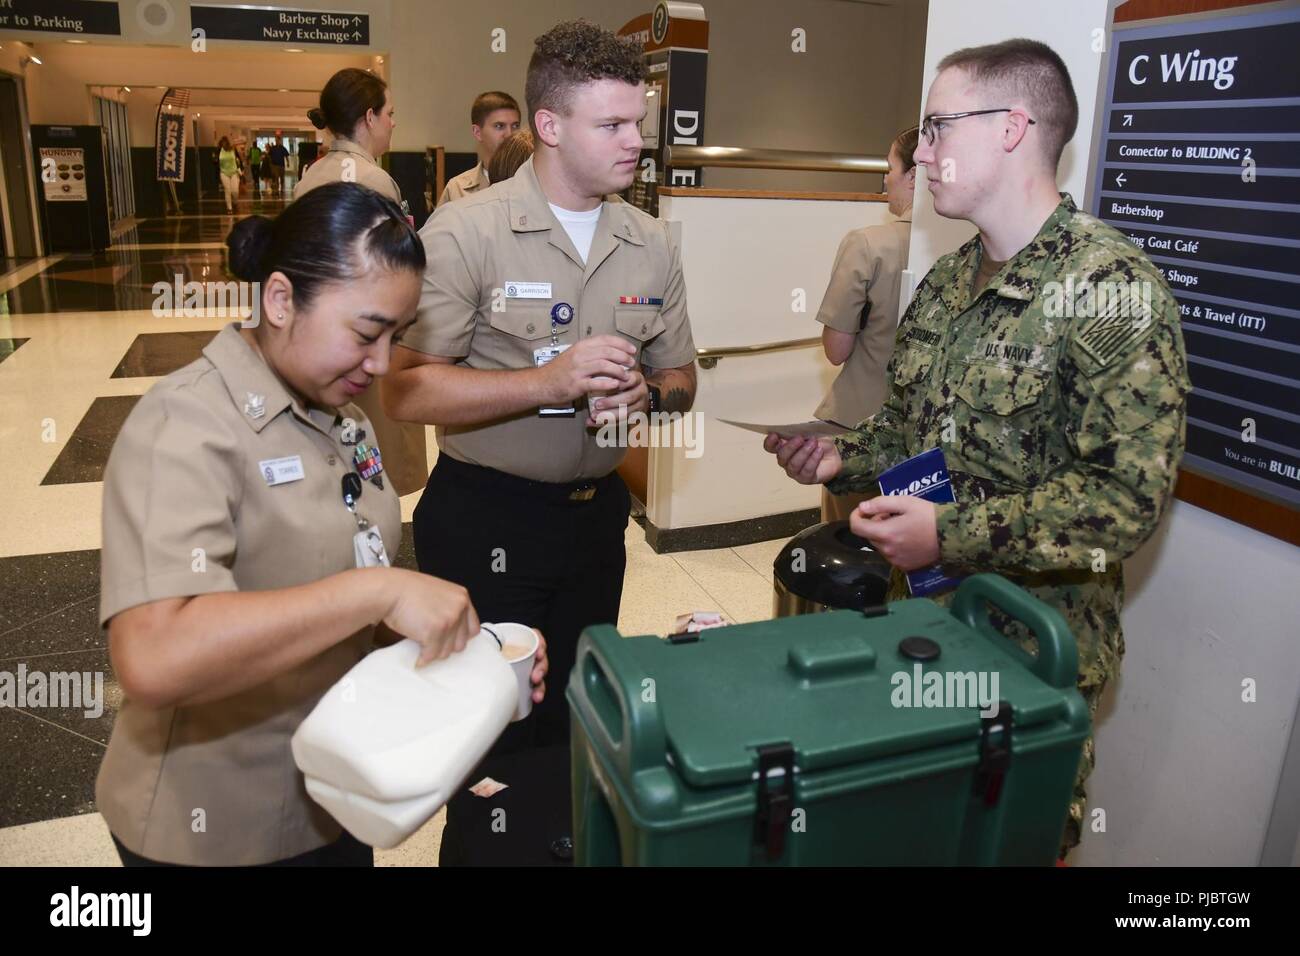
(171, 146)
(169, 139)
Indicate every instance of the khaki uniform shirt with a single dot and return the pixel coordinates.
(484, 252)
(1061, 412)
(334, 167)
(465, 184)
(406, 458)
(188, 511)
(864, 284)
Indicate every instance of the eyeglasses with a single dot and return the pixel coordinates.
(927, 124)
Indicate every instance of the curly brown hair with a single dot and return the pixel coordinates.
(571, 54)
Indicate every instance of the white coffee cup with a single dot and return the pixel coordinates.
(519, 644)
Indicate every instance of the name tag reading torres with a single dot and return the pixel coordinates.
(281, 471)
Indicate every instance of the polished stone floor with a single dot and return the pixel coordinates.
(78, 346)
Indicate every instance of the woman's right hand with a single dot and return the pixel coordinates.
(434, 613)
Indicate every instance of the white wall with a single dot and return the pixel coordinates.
(1186, 771)
(743, 260)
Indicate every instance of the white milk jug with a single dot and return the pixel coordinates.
(389, 743)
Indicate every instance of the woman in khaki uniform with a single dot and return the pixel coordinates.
(357, 110)
(860, 310)
(244, 563)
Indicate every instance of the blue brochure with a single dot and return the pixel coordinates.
(922, 476)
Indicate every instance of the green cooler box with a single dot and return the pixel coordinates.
(830, 739)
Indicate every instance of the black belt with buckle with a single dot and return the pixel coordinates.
(577, 491)
(584, 492)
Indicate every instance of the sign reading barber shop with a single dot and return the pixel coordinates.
(276, 25)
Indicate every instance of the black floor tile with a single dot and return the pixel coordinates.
(86, 454)
(123, 279)
(77, 692)
(161, 353)
(115, 280)
(9, 346)
(51, 604)
(49, 772)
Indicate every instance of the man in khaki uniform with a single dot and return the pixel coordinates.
(546, 308)
(493, 118)
(214, 783)
(860, 311)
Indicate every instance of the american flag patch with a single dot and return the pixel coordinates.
(1123, 321)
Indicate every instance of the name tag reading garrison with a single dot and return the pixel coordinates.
(528, 290)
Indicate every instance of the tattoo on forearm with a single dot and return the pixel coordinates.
(676, 388)
(677, 400)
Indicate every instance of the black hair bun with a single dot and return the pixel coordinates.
(248, 243)
(317, 117)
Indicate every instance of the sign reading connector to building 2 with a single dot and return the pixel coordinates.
(1198, 165)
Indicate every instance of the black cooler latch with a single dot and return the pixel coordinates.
(995, 755)
(775, 804)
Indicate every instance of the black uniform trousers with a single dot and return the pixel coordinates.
(532, 553)
(547, 555)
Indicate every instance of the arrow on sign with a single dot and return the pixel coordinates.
(356, 35)
(1128, 119)
(1119, 180)
(356, 19)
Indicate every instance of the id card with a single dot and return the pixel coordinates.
(541, 357)
(369, 548)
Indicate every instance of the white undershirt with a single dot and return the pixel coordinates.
(581, 226)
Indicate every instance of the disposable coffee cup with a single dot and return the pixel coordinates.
(519, 644)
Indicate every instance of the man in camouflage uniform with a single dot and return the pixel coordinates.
(1045, 357)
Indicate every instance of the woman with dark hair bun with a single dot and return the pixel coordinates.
(356, 108)
(246, 532)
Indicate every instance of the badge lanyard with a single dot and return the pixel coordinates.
(367, 543)
(561, 314)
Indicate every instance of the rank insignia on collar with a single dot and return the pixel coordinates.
(255, 406)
